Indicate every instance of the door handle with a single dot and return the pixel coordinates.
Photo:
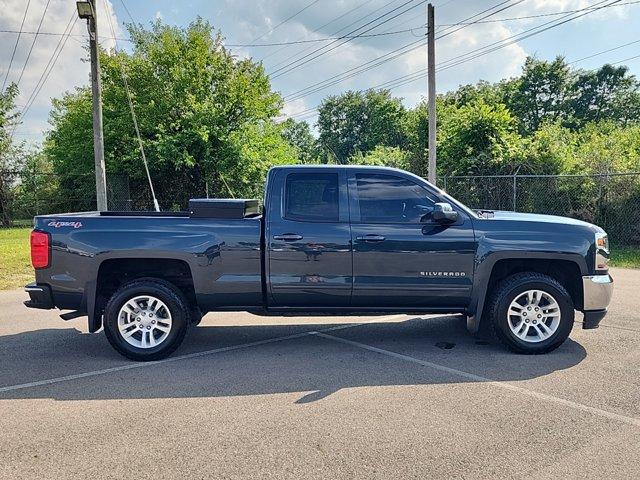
(370, 238)
(288, 237)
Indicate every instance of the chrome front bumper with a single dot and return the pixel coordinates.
(597, 291)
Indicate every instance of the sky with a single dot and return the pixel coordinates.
(58, 64)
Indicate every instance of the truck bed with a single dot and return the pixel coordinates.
(223, 256)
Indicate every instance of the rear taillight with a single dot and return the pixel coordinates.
(39, 249)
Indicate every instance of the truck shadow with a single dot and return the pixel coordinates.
(311, 366)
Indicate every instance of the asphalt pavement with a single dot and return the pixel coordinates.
(322, 397)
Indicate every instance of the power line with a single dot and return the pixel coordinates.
(63, 34)
(44, 13)
(48, 68)
(281, 71)
(518, 37)
(334, 37)
(348, 40)
(449, 31)
(124, 5)
(395, 32)
(421, 42)
(43, 78)
(318, 40)
(418, 75)
(603, 51)
(340, 30)
(540, 15)
(381, 60)
(15, 47)
(238, 45)
(625, 60)
(324, 39)
(405, 79)
(285, 20)
(452, 62)
(335, 19)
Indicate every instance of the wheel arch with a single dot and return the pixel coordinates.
(114, 272)
(567, 269)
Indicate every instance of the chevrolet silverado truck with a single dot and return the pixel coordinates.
(327, 240)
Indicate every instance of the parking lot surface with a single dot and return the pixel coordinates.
(323, 397)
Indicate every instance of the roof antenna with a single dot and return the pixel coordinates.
(133, 113)
(226, 185)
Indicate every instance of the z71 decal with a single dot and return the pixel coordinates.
(56, 224)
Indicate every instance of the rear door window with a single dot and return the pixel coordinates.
(312, 197)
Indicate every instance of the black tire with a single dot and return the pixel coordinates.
(171, 296)
(508, 290)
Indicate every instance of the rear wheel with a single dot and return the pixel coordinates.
(531, 313)
(146, 319)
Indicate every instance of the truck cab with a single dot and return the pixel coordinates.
(365, 238)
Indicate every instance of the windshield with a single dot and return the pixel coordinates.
(447, 197)
(453, 201)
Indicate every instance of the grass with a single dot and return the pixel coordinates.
(16, 270)
(625, 257)
(15, 263)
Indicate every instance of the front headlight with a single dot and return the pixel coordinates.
(602, 251)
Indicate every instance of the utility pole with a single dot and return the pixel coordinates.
(431, 92)
(87, 10)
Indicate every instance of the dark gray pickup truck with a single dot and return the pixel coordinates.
(329, 239)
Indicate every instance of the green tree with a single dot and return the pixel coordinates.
(195, 103)
(298, 134)
(478, 139)
(488, 92)
(605, 148)
(360, 121)
(11, 155)
(549, 150)
(416, 128)
(384, 157)
(540, 94)
(608, 93)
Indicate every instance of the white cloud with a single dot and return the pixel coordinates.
(293, 107)
(241, 21)
(69, 69)
(504, 62)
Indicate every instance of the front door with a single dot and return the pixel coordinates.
(400, 259)
(309, 240)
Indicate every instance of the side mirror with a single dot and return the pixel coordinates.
(444, 213)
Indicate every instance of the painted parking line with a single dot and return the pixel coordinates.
(131, 366)
(479, 378)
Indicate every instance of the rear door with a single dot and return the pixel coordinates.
(308, 239)
(400, 260)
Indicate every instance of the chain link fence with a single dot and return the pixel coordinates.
(611, 201)
(26, 193)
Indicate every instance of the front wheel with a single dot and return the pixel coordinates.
(531, 313)
(146, 319)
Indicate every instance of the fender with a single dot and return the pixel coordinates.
(485, 262)
(90, 288)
